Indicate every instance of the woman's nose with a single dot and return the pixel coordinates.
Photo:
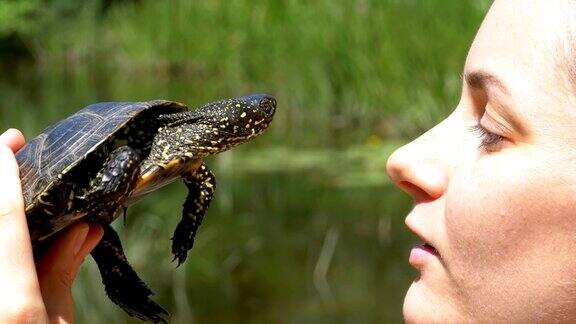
(418, 170)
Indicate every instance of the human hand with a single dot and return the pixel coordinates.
(30, 293)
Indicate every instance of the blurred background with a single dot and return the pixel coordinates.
(305, 226)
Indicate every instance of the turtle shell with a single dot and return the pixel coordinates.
(61, 148)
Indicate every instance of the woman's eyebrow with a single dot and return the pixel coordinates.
(480, 79)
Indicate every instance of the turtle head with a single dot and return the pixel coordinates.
(242, 116)
(238, 120)
(220, 125)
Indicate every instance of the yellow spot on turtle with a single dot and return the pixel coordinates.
(243, 114)
(165, 151)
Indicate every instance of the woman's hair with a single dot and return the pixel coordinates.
(567, 45)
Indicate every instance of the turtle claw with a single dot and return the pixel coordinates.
(183, 240)
(180, 256)
(147, 311)
(181, 260)
(122, 284)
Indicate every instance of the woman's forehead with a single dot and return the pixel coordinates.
(523, 36)
(522, 56)
(527, 44)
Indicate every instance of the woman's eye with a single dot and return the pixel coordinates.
(488, 141)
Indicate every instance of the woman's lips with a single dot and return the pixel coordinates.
(421, 254)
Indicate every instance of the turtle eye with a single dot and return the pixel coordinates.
(268, 104)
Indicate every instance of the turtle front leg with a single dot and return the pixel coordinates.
(122, 284)
(114, 182)
(201, 185)
(102, 198)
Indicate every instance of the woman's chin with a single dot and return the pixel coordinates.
(414, 309)
(422, 306)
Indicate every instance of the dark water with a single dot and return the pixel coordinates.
(304, 228)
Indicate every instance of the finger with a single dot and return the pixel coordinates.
(12, 138)
(92, 239)
(55, 275)
(59, 265)
(18, 278)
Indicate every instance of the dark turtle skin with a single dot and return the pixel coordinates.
(92, 165)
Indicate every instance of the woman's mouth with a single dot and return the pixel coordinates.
(421, 254)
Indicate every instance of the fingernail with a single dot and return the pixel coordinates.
(80, 238)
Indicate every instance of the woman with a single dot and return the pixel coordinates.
(29, 293)
(494, 184)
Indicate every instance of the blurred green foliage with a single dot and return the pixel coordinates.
(305, 226)
(16, 16)
(353, 61)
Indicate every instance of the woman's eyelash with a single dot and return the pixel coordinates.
(488, 141)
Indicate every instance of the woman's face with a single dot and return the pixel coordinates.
(499, 212)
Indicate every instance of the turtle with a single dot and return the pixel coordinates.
(94, 164)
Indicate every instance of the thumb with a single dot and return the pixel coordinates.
(59, 265)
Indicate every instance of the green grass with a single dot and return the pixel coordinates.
(335, 63)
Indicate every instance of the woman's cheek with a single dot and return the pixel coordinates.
(493, 208)
(506, 208)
